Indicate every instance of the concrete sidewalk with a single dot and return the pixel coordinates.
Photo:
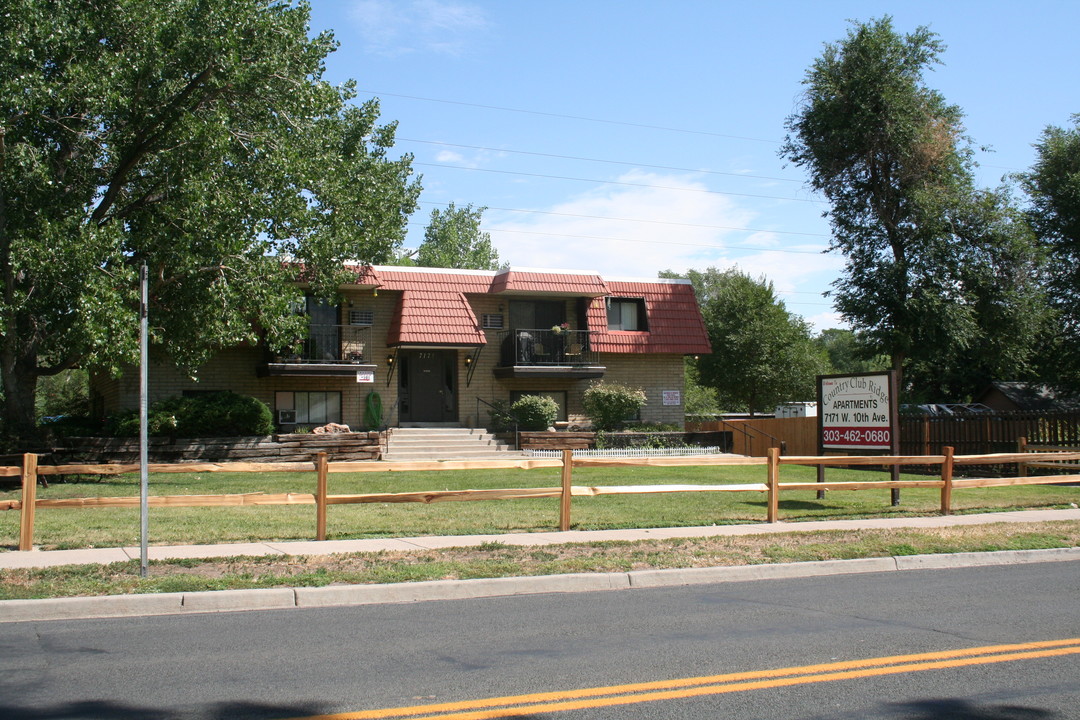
(187, 603)
(91, 556)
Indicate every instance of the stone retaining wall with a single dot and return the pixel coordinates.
(298, 447)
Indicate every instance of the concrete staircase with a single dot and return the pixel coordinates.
(406, 444)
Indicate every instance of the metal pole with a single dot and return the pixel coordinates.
(144, 478)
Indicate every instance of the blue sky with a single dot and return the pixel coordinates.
(629, 137)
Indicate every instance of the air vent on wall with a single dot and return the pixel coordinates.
(361, 317)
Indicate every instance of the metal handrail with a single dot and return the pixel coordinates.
(331, 344)
(540, 346)
(779, 443)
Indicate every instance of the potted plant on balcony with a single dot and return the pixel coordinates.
(559, 334)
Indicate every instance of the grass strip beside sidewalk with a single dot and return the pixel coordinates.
(498, 560)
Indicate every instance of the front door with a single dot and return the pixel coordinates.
(427, 386)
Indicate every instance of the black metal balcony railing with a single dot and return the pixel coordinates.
(331, 344)
(568, 348)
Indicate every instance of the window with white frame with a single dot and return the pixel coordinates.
(626, 314)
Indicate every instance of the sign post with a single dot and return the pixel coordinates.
(144, 490)
(859, 414)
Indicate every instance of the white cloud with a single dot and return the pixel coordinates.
(392, 28)
(622, 230)
(449, 156)
(661, 229)
(826, 320)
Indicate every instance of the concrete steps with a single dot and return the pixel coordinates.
(406, 444)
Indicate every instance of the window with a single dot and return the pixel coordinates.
(536, 314)
(626, 314)
(314, 407)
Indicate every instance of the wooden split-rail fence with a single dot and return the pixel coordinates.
(322, 469)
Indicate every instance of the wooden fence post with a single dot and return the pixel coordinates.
(29, 501)
(774, 484)
(1021, 447)
(320, 496)
(564, 498)
(946, 478)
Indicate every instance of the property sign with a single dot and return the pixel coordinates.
(365, 376)
(672, 397)
(857, 412)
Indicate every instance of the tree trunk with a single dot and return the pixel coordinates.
(898, 366)
(20, 376)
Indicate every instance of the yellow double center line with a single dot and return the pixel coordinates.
(551, 702)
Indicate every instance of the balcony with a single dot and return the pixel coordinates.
(535, 353)
(327, 351)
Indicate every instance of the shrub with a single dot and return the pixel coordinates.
(501, 419)
(71, 426)
(535, 412)
(219, 414)
(126, 424)
(609, 406)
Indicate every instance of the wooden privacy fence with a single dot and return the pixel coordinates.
(920, 434)
(321, 498)
(984, 433)
(754, 436)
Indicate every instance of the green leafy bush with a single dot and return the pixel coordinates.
(71, 426)
(609, 406)
(501, 419)
(220, 414)
(535, 412)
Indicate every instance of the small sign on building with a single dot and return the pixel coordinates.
(365, 376)
(672, 397)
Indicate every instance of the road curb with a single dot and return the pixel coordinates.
(976, 559)
(458, 589)
(115, 606)
(746, 573)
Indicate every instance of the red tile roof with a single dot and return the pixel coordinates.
(536, 282)
(675, 324)
(434, 318)
(434, 310)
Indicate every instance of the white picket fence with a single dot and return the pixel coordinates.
(631, 452)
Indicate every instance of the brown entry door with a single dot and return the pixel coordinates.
(428, 386)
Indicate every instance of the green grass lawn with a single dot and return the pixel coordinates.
(108, 527)
(498, 560)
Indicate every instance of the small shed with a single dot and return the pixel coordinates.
(1012, 396)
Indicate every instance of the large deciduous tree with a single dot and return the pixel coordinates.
(923, 246)
(1053, 185)
(196, 136)
(453, 239)
(762, 354)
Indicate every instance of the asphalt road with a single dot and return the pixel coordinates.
(308, 662)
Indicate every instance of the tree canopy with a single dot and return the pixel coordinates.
(923, 246)
(453, 239)
(197, 136)
(762, 354)
(1053, 185)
